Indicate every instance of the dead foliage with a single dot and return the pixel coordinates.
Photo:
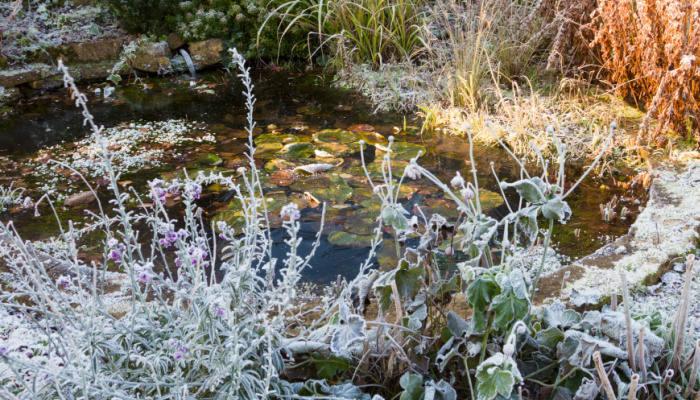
(648, 49)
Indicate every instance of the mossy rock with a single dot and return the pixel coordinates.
(346, 239)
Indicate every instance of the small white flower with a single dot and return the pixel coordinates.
(412, 171)
(467, 194)
(509, 350)
(457, 181)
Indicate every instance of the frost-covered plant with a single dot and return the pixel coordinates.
(507, 342)
(171, 329)
(10, 196)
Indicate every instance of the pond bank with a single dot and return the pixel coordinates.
(666, 230)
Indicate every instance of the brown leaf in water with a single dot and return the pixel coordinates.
(282, 177)
(361, 128)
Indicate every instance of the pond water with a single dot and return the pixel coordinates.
(301, 121)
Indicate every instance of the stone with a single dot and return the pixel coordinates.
(98, 50)
(174, 41)
(152, 57)
(32, 72)
(81, 198)
(649, 245)
(93, 71)
(206, 52)
(52, 82)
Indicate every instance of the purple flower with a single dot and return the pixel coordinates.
(63, 281)
(117, 249)
(290, 212)
(179, 353)
(193, 190)
(144, 272)
(4, 351)
(115, 255)
(219, 312)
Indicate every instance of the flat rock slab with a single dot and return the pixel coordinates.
(668, 227)
(29, 73)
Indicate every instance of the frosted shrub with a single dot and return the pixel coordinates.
(173, 330)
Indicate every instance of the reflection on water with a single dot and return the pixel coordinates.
(302, 122)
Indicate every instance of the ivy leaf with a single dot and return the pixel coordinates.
(527, 222)
(395, 215)
(549, 337)
(479, 295)
(496, 376)
(346, 334)
(328, 369)
(507, 308)
(412, 386)
(408, 281)
(557, 315)
(481, 291)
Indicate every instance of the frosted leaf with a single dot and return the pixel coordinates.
(348, 332)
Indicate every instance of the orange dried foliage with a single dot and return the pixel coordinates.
(650, 50)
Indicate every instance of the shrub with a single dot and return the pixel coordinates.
(236, 22)
(372, 31)
(142, 16)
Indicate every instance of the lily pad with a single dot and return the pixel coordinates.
(277, 164)
(346, 239)
(297, 150)
(281, 138)
(489, 199)
(210, 159)
(405, 150)
(374, 138)
(324, 188)
(337, 149)
(267, 148)
(337, 136)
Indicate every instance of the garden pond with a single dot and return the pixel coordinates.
(306, 141)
